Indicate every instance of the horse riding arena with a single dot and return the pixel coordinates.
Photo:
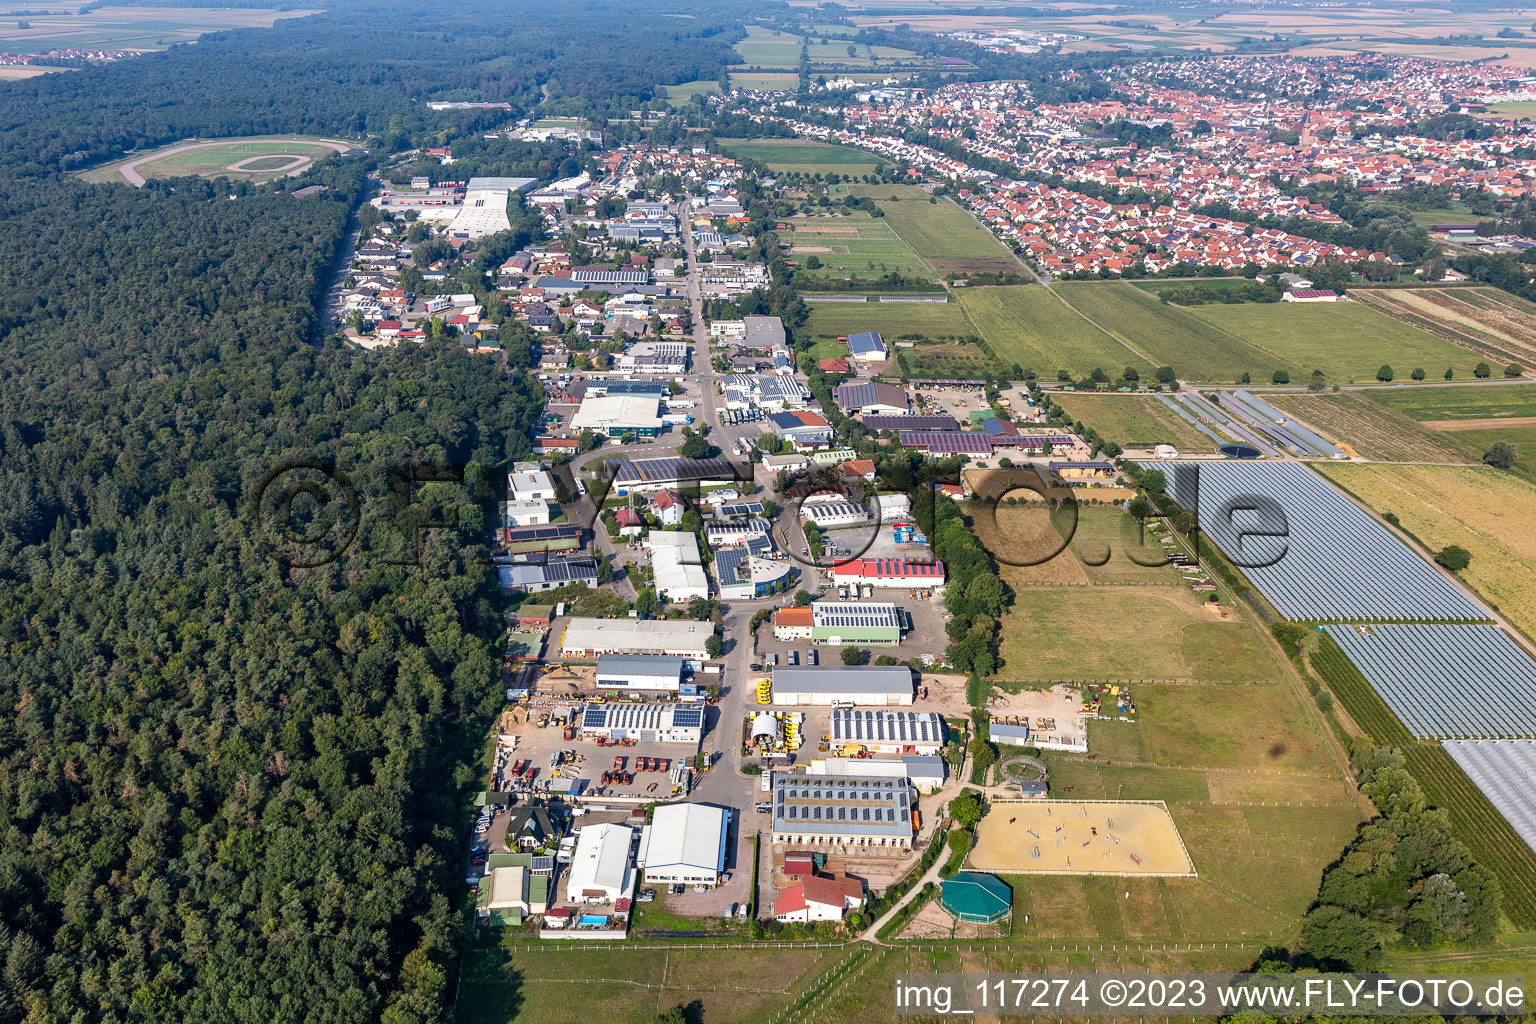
(248, 159)
(1091, 837)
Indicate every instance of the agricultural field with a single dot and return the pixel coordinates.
(1371, 430)
(774, 80)
(937, 229)
(1028, 325)
(1167, 335)
(627, 985)
(1492, 841)
(892, 319)
(1455, 407)
(1346, 340)
(802, 156)
(1487, 511)
(251, 159)
(131, 28)
(766, 48)
(1496, 325)
(1134, 421)
(1156, 286)
(679, 95)
(856, 248)
(17, 72)
(1107, 632)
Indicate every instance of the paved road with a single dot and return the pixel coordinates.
(129, 170)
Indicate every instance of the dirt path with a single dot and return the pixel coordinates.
(1487, 423)
(130, 172)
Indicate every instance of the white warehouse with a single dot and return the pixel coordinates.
(685, 844)
(843, 684)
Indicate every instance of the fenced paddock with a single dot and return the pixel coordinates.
(1081, 837)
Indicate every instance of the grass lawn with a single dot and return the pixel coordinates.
(1486, 511)
(633, 986)
(1103, 538)
(803, 156)
(1134, 421)
(1029, 325)
(857, 248)
(1156, 632)
(892, 319)
(678, 95)
(1168, 335)
(1345, 340)
(1158, 286)
(1480, 402)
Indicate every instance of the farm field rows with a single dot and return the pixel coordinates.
(1486, 511)
(130, 28)
(1372, 430)
(1030, 326)
(1133, 421)
(1490, 838)
(1346, 340)
(1168, 335)
(948, 359)
(1476, 318)
(1106, 632)
(802, 156)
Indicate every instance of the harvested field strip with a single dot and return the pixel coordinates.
(1482, 344)
(1505, 325)
(1489, 423)
(1373, 432)
(1490, 838)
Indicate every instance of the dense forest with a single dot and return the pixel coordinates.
(360, 67)
(232, 788)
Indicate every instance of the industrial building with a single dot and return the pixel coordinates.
(1013, 735)
(685, 844)
(601, 870)
(617, 415)
(587, 638)
(871, 398)
(647, 723)
(640, 672)
(868, 347)
(677, 565)
(828, 514)
(889, 572)
(888, 732)
(743, 576)
(638, 475)
(812, 810)
(924, 771)
(547, 574)
(835, 623)
(843, 684)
